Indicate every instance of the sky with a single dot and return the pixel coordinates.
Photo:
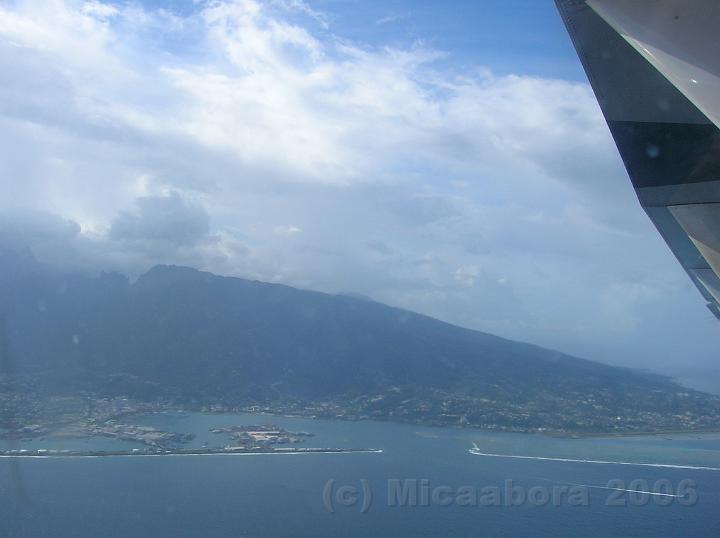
(444, 157)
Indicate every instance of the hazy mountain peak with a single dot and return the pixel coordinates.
(194, 336)
(166, 275)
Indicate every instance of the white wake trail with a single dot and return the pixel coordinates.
(477, 452)
(658, 494)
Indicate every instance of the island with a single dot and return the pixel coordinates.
(112, 418)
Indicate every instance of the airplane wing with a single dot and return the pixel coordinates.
(654, 66)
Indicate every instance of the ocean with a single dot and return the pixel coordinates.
(425, 483)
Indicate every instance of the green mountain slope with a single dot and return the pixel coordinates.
(199, 338)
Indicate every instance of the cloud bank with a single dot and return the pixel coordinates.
(248, 139)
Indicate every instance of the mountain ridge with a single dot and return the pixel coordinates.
(203, 339)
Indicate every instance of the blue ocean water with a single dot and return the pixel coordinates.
(366, 494)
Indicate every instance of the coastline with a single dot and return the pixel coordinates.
(657, 433)
(560, 434)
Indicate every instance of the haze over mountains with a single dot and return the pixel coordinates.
(198, 338)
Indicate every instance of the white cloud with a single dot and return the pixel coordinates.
(99, 10)
(287, 230)
(467, 274)
(389, 19)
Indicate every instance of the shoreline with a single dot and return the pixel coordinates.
(590, 435)
(560, 434)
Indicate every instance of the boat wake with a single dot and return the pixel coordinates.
(637, 491)
(477, 452)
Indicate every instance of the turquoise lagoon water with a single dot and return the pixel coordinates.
(367, 494)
